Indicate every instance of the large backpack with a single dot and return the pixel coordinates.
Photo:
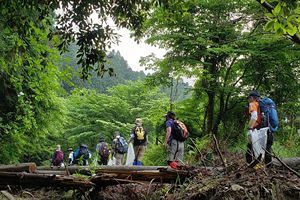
(140, 134)
(104, 151)
(179, 131)
(270, 117)
(121, 145)
(59, 156)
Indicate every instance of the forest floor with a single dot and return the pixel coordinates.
(236, 182)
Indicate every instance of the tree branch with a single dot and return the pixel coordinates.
(295, 38)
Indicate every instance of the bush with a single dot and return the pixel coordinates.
(155, 155)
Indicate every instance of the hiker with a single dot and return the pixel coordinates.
(58, 157)
(174, 145)
(71, 156)
(120, 147)
(82, 154)
(139, 136)
(103, 151)
(257, 121)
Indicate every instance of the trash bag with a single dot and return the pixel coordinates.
(130, 155)
(259, 141)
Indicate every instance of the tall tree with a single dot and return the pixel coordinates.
(218, 42)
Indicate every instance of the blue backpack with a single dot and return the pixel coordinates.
(270, 117)
(122, 145)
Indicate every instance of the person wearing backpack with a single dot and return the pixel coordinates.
(176, 134)
(58, 157)
(82, 154)
(120, 147)
(262, 114)
(139, 136)
(103, 151)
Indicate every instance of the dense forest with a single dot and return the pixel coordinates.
(61, 83)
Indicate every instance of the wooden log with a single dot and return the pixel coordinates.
(102, 181)
(53, 172)
(71, 169)
(30, 179)
(22, 167)
(165, 176)
(293, 163)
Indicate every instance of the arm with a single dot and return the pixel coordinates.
(253, 119)
(131, 137)
(168, 134)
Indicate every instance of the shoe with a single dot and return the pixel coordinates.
(173, 165)
(134, 163)
(139, 163)
(258, 166)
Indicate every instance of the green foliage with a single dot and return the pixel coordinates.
(226, 55)
(92, 115)
(284, 17)
(192, 155)
(155, 155)
(31, 111)
(74, 22)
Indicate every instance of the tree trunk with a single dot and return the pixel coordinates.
(210, 111)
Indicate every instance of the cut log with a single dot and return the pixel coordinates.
(53, 172)
(29, 179)
(71, 169)
(22, 167)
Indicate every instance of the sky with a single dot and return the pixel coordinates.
(132, 51)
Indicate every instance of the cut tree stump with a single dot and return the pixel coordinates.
(22, 167)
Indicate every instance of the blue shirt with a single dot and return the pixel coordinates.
(169, 123)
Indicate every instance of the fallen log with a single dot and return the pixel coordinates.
(22, 167)
(103, 181)
(53, 172)
(29, 179)
(68, 169)
(293, 163)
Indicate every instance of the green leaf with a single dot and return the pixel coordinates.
(270, 15)
(292, 31)
(297, 10)
(277, 25)
(277, 9)
(262, 1)
(269, 26)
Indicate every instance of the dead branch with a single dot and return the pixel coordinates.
(218, 150)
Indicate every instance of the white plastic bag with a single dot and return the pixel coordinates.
(130, 155)
(112, 161)
(259, 141)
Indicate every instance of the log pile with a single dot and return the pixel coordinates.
(28, 174)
